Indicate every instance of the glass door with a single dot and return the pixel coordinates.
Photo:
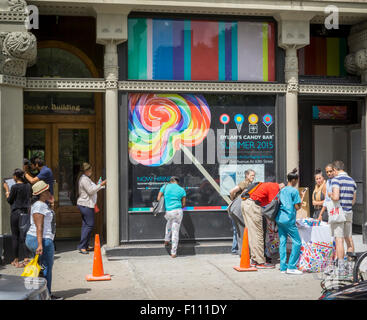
(64, 146)
(74, 144)
(37, 141)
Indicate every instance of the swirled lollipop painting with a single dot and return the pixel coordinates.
(161, 124)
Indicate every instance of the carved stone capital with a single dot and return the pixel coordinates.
(292, 85)
(111, 26)
(17, 5)
(111, 61)
(356, 61)
(112, 84)
(18, 51)
(291, 64)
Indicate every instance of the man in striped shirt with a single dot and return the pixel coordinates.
(344, 189)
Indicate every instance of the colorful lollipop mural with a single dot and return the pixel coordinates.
(224, 119)
(239, 119)
(161, 124)
(253, 119)
(267, 121)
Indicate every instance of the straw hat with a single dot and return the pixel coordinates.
(39, 187)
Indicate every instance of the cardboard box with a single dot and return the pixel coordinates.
(304, 212)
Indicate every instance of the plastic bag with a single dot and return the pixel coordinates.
(335, 210)
(32, 269)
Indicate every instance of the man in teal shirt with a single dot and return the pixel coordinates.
(174, 201)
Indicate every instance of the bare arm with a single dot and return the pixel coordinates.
(38, 221)
(299, 205)
(354, 198)
(317, 203)
(321, 212)
(233, 192)
(160, 194)
(31, 179)
(183, 200)
(335, 194)
(6, 187)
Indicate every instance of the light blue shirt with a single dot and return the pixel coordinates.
(329, 188)
(173, 195)
(289, 196)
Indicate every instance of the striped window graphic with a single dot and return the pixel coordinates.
(324, 56)
(173, 49)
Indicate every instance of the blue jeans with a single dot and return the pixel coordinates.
(234, 241)
(285, 230)
(47, 257)
(87, 226)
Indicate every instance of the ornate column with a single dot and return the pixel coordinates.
(356, 61)
(18, 50)
(293, 34)
(111, 31)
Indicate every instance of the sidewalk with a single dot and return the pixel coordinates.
(204, 276)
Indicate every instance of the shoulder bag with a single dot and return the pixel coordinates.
(249, 190)
(158, 206)
(271, 210)
(24, 223)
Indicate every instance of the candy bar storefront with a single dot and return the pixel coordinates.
(194, 127)
(203, 93)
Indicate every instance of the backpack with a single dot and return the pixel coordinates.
(249, 190)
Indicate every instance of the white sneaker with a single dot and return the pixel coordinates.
(294, 271)
(282, 272)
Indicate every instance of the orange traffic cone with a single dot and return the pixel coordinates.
(98, 273)
(245, 255)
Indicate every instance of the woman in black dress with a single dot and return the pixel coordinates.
(19, 199)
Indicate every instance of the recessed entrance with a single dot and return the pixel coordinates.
(65, 128)
(64, 147)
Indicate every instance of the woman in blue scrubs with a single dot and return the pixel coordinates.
(290, 202)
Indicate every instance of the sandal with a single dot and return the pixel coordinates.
(83, 251)
(15, 263)
(22, 264)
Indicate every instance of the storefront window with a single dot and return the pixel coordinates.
(56, 62)
(178, 49)
(324, 56)
(208, 140)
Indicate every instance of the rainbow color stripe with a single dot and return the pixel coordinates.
(202, 208)
(324, 56)
(160, 123)
(174, 49)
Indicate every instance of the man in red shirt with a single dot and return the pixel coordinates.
(251, 211)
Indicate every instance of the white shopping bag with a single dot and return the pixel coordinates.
(335, 211)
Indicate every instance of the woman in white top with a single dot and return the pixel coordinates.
(41, 233)
(86, 202)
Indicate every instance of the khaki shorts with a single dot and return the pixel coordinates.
(342, 229)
